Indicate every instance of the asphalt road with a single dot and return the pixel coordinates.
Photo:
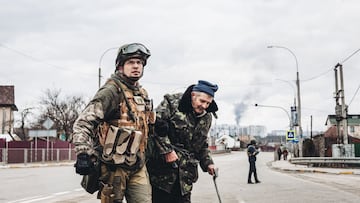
(61, 184)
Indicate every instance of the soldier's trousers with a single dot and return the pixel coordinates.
(252, 170)
(134, 186)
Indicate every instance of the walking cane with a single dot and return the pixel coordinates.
(216, 171)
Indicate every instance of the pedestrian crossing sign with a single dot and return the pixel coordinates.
(290, 135)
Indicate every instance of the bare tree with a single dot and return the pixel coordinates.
(62, 111)
(21, 131)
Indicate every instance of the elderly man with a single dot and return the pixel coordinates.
(182, 125)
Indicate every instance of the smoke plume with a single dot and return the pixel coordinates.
(240, 108)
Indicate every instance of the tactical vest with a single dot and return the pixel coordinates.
(123, 138)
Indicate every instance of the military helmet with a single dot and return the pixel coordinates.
(133, 50)
(253, 142)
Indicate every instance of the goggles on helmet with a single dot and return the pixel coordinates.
(133, 48)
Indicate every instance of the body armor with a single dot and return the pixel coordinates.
(124, 139)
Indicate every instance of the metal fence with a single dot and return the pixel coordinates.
(56, 152)
(25, 155)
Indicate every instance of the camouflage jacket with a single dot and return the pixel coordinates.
(104, 107)
(187, 135)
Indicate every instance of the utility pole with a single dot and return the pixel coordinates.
(341, 107)
(298, 97)
(311, 122)
(299, 105)
(100, 76)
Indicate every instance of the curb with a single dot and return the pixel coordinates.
(345, 172)
(36, 165)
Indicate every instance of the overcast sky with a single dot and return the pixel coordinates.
(58, 45)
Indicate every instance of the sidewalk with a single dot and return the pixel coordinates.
(287, 166)
(37, 164)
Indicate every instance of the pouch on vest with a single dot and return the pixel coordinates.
(121, 145)
(140, 103)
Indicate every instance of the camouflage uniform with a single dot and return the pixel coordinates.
(126, 172)
(187, 135)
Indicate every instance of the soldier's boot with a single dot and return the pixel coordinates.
(249, 179)
(256, 178)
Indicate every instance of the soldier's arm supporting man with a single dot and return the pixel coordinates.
(104, 103)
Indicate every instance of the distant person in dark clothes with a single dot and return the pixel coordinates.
(252, 152)
(285, 153)
(279, 152)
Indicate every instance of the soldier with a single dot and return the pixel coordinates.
(113, 130)
(252, 152)
(182, 125)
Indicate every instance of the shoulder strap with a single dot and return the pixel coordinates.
(144, 93)
(121, 90)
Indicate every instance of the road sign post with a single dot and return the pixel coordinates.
(290, 135)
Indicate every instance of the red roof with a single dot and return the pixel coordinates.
(331, 132)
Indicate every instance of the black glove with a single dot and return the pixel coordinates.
(84, 165)
(161, 127)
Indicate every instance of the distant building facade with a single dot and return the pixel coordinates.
(7, 108)
(323, 142)
(235, 130)
(353, 124)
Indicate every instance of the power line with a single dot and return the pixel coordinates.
(354, 95)
(39, 60)
(347, 58)
(317, 76)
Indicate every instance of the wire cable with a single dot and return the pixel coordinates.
(317, 76)
(350, 56)
(39, 60)
(357, 90)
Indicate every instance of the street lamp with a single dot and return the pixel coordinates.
(298, 93)
(292, 86)
(294, 116)
(107, 50)
(279, 107)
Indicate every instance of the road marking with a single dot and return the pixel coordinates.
(38, 199)
(24, 199)
(61, 193)
(43, 197)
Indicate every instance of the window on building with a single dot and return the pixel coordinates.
(352, 129)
